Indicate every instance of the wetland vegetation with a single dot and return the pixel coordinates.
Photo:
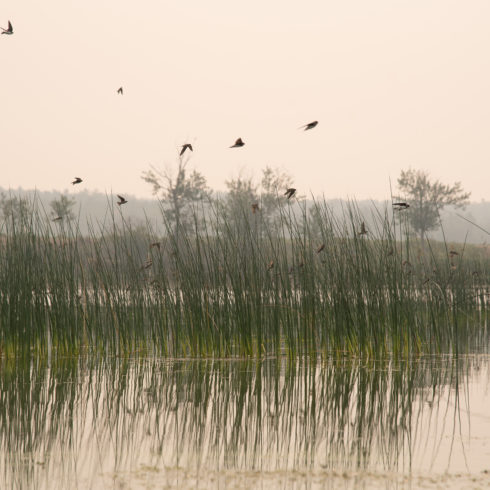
(234, 285)
(242, 348)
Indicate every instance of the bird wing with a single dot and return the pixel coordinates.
(10, 26)
(120, 197)
(309, 125)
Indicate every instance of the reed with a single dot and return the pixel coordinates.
(234, 286)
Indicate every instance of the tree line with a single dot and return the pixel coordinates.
(183, 193)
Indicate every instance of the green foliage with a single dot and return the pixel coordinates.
(427, 199)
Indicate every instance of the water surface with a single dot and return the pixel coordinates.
(152, 423)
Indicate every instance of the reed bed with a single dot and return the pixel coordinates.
(235, 286)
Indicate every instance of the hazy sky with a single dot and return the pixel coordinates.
(392, 83)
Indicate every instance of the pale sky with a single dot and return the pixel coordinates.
(392, 83)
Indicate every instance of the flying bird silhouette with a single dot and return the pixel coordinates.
(309, 125)
(121, 200)
(255, 208)
(120, 91)
(401, 205)
(238, 143)
(363, 229)
(290, 192)
(77, 180)
(9, 30)
(185, 147)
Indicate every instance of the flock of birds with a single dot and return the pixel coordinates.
(290, 192)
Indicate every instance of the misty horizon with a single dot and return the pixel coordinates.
(94, 205)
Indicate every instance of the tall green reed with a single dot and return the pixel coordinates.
(237, 286)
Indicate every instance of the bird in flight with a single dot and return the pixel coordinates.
(320, 248)
(185, 147)
(401, 205)
(309, 125)
(9, 30)
(255, 207)
(290, 192)
(363, 229)
(238, 143)
(121, 200)
(77, 180)
(120, 91)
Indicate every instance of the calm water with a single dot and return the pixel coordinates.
(149, 423)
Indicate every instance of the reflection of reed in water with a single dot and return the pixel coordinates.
(78, 420)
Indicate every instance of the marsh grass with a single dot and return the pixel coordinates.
(237, 286)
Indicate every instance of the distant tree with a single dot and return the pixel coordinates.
(63, 208)
(178, 193)
(273, 185)
(266, 197)
(14, 208)
(242, 193)
(427, 199)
